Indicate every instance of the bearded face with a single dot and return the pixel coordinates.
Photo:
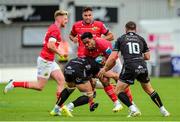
(87, 17)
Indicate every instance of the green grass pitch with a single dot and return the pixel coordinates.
(29, 105)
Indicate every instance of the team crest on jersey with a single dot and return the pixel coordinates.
(94, 28)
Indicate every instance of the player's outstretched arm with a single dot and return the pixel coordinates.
(109, 64)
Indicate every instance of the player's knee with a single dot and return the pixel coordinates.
(105, 81)
(115, 76)
(117, 91)
(147, 88)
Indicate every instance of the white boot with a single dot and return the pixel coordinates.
(70, 106)
(164, 112)
(9, 86)
(133, 111)
(117, 106)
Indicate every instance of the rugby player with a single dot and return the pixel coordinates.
(46, 65)
(135, 52)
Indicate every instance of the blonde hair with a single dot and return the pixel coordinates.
(60, 13)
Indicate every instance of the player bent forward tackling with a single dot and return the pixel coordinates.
(78, 73)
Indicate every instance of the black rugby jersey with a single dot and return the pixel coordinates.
(87, 65)
(132, 46)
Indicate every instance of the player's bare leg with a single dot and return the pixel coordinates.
(36, 85)
(58, 76)
(155, 97)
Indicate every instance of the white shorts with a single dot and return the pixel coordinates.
(44, 67)
(117, 67)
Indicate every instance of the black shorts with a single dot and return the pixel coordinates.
(133, 71)
(75, 75)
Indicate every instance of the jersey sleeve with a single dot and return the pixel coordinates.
(104, 29)
(146, 48)
(54, 34)
(116, 46)
(73, 31)
(106, 46)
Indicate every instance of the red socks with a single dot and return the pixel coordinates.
(127, 91)
(110, 92)
(21, 84)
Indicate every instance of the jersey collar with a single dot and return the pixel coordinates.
(83, 22)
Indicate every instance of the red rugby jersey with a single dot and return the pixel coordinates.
(97, 28)
(53, 31)
(103, 48)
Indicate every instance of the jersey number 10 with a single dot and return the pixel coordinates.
(133, 48)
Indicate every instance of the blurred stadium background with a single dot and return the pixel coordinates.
(23, 24)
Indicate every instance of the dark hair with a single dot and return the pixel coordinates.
(87, 9)
(130, 25)
(86, 35)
